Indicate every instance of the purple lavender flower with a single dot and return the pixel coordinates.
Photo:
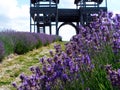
(51, 53)
(113, 75)
(42, 60)
(118, 72)
(110, 14)
(14, 84)
(57, 48)
(64, 77)
(49, 60)
(38, 71)
(22, 77)
(32, 69)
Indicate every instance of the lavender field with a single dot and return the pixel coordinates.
(89, 61)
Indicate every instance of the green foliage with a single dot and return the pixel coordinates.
(8, 43)
(39, 44)
(21, 48)
(2, 51)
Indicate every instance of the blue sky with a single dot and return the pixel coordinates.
(14, 14)
(22, 2)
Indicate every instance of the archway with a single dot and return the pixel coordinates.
(67, 30)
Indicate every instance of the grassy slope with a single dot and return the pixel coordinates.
(13, 65)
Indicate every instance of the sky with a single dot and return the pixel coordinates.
(14, 15)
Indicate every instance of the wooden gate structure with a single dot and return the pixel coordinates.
(45, 13)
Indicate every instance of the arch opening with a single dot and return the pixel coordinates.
(66, 31)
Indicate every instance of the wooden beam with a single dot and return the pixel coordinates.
(97, 1)
(35, 1)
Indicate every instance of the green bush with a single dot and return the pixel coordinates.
(24, 42)
(8, 43)
(21, 48)
(2, 51)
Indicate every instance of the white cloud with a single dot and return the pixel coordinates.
(6, 6)
(13, 16)
(114, 6)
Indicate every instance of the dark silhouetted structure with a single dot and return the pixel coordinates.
(45, 13)
(97, 1)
